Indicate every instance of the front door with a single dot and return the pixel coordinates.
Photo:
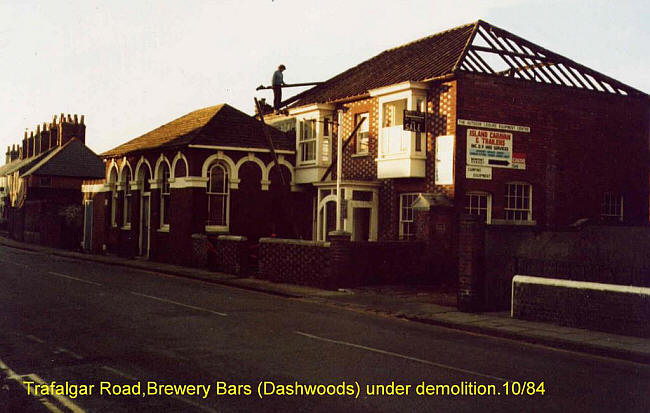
(144, 226)
(361, 224)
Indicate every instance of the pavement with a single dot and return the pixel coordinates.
(423, 305)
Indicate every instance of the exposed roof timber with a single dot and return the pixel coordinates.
(478, 57)
(538, 63)
(495, 49)
(515, 57)
(588, 78)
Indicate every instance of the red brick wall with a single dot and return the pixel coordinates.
(581, 144)
(297, 262)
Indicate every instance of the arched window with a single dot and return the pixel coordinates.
(218, 194)
(164, 195)
(112, 179)
(127, 196)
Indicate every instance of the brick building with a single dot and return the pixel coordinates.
(41, 183)
(207, 173)
(471, 120)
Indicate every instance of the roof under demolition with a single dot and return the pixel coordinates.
(220, 125)
(478, 47)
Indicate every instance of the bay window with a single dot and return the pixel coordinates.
(307, 140)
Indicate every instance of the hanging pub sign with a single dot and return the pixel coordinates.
(489, 148)
(413, 121)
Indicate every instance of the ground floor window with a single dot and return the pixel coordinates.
(611, 207)
(164, 196)
(479, 203)
(218, 195)
(406, 221)
(518, 205)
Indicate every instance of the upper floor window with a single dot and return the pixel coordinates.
(479, 203)
(612, 206)
(518, 205)
(326, 126)
(164, 195)
(218, 194)
(362, 133)
(394, 138)
(307, 140)
(406, 217)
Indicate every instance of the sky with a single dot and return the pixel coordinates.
(131, 66)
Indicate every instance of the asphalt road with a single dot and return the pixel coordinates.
(86, 324)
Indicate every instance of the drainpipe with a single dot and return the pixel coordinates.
(339, 156)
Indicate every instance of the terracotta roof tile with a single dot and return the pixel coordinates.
(429, 57)
(220, 125)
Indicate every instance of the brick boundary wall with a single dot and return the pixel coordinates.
(229, 254)
(595, 306)
(199, 251)
(389, 262)
(296, 262)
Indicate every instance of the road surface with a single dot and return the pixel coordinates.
(123, 330)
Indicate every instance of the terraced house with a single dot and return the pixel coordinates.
(40, 183)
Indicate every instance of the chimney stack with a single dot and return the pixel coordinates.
(23, 150)
(30, 145)
(8, 157)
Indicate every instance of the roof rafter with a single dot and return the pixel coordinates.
(508, 55)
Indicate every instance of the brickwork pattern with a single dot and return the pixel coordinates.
(357, 166)
(231, 256)
(441, 117)
(296, 262)
(609, 311)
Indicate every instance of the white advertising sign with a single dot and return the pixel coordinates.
(445, 160)
(493, 125)
(478, 172)
(489, 148)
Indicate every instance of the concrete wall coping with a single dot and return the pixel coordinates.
(294, 242)
(584, 285)
(240, 238)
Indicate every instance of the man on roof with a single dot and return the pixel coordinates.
(277, 84)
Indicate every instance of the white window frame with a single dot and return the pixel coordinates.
(406, 224)
(307, 137)
(114, 196)
(127, 202)
(362, 133)
(515, 204)
(476, 209)
(611, 206)
(225, 198)
(165, 174)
